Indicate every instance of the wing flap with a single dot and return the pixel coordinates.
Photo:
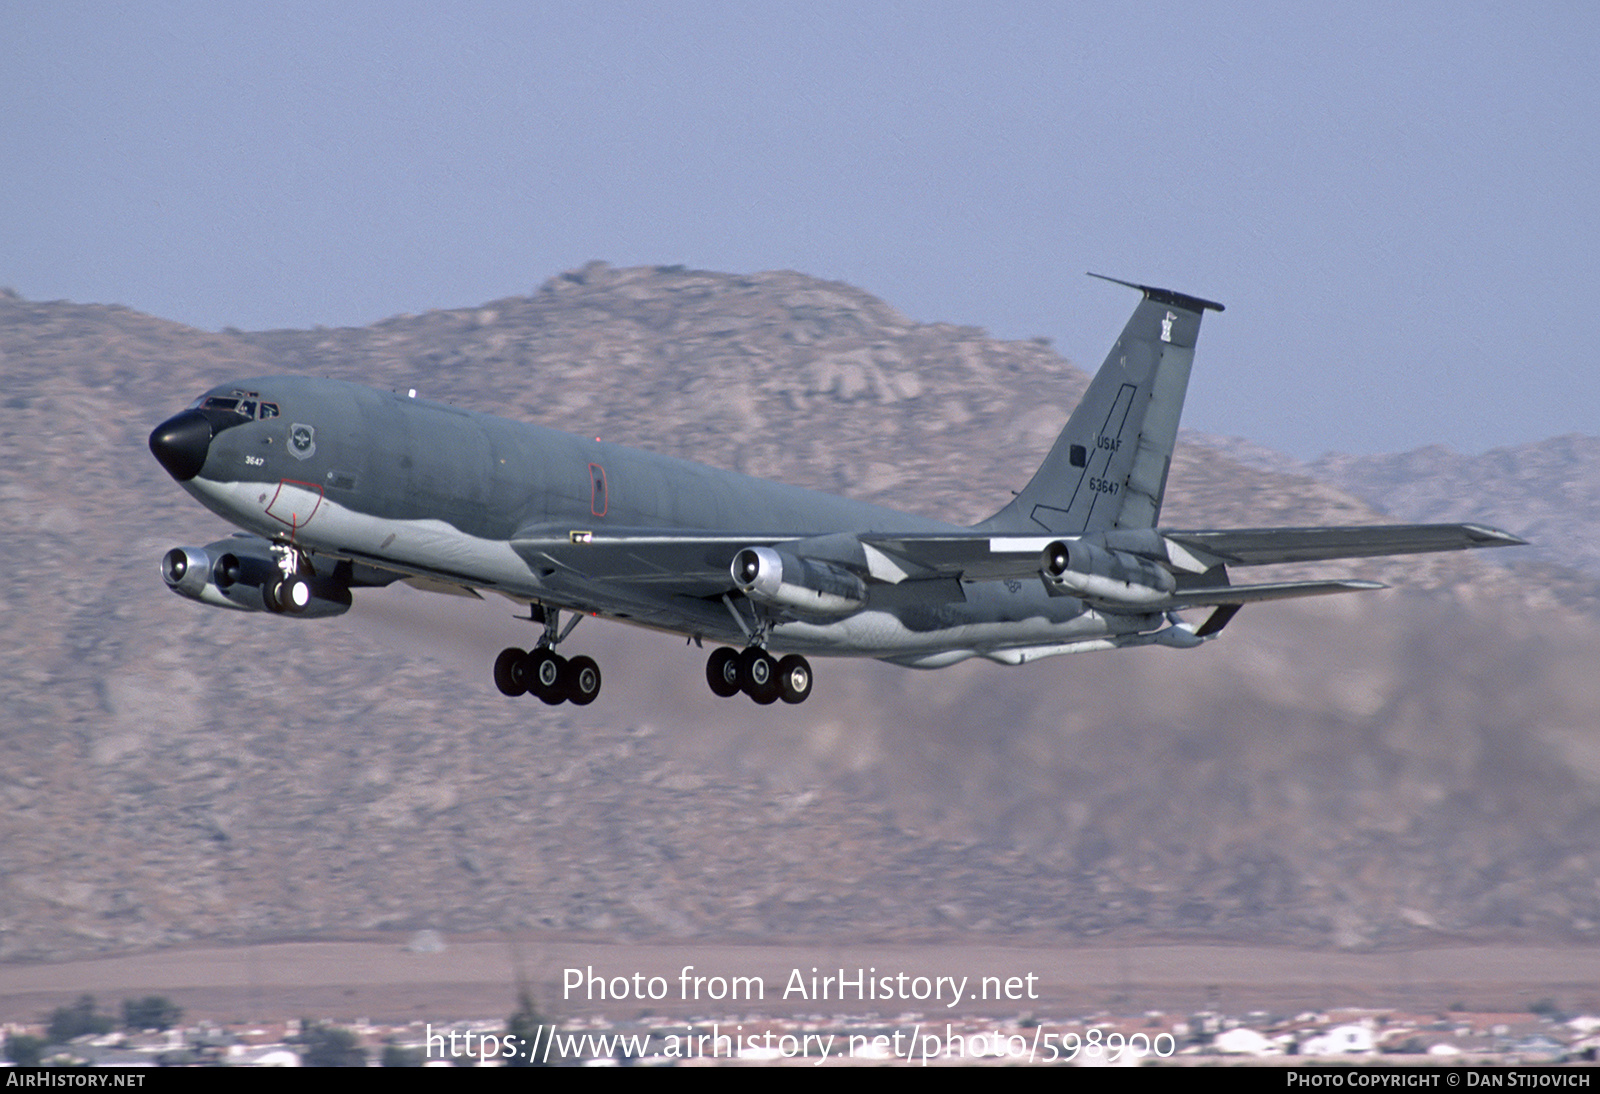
(1252, 594)
(973, 556)
(695, 563)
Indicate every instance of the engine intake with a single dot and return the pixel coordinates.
(187, 571)
(801, 585)
(241, 573)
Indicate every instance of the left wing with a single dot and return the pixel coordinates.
(669, 579)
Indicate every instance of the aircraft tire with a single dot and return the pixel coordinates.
(580, 679)
(522, 672)
(794, 678)
(294, 594)
(506, 677)
(723, 672)
(269, 597)
(759, 674)
(546, 675)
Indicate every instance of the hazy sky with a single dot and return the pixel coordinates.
(1399, 204)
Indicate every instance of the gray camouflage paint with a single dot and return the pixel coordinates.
(427, 490)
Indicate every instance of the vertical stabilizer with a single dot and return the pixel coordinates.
(1108, 468)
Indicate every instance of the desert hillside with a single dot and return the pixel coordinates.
(1418, 763)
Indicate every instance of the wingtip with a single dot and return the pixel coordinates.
(1485, 536)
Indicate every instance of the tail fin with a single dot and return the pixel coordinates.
(1108, 468)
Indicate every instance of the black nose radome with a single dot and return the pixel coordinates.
(180, 443)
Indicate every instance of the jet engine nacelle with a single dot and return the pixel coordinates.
(241, 573)
(1076, 568)
(801, 585)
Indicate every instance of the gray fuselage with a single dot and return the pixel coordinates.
(446, 495)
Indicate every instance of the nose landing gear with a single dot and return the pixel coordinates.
(289, 592)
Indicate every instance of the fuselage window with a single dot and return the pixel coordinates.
(269, 410)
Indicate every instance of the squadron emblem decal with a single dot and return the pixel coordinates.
(302, 441)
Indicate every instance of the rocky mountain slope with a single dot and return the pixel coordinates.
(1550, 489)
(1352, 771)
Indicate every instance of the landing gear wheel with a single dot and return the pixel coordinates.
(506, 677)
(722, 672)
(269, 597)
(543, 669)
(759, 675)
(794, 678)
(580, 680)
(294, 594)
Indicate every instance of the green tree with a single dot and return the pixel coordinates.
(77, 1020)
(398, 1056)
(524, 1024)
(330, 1046)
(1547, 1008)
(24, 1050)
(152, 1012)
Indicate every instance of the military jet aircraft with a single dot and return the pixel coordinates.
(340, 487)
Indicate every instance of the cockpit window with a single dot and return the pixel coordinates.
(227, 411)
(236, 409)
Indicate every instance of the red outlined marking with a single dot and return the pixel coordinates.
(283, 510)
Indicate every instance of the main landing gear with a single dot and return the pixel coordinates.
(759, 675)
(555, 679)
(543, 672)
